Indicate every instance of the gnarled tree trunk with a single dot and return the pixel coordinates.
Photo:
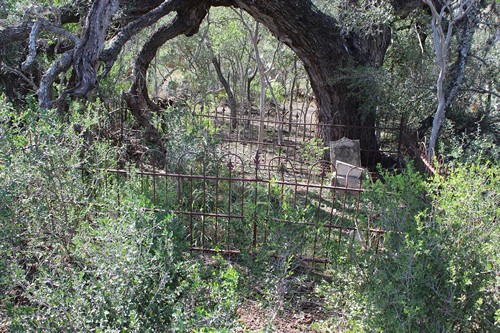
(186, 22)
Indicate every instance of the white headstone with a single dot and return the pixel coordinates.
(348, 175)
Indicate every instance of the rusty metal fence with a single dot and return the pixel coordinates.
(295, 135)
(416, 150)
(232, 205)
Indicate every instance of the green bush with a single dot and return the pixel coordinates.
(80, 251)
(437, 271)
(85, 250)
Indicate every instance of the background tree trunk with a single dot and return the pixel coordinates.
(233, 108)
(442, 39)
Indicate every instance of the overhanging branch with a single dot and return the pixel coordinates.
(110, 54)
(186, 22)
(20, 32)
(137, 96)
(45, 99)
(35, 29)
(46, 25)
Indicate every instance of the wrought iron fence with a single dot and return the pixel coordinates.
(295, 136)
(232, 205)
(415, 149)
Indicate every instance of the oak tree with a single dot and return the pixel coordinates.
(321, 41)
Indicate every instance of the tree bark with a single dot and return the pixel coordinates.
(87, 54)
(110, 54)
(441, 41)
(186, 22)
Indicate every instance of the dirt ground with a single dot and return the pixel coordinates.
(255, 319)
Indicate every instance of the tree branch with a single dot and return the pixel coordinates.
(441, 43)
(65, 14)
(46, 25)
(88, 52)
(458, 69)
(35, 29)
(60, 31)
(20, 74)
(484, 91)
(137, 97)
(186, 22)
(45, 99)
(110, 54)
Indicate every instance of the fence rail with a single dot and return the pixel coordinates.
(294, 135)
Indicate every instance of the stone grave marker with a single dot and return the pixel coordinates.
(345, 156)
(345, 150)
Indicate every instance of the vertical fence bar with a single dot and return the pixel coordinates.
(318, 209)
(190, 207)
(203, 210)
(242, 206)
(216, 208)
(256, 162)
(229, 199)
(154, 183)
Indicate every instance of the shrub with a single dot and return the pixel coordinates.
(438, 269)
(81, 251)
